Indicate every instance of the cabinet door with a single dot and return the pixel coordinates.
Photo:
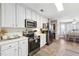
(10, 52)
(43, 40)
(34, 16)
(8, 14)
(28, 14)
(23, 48)
(9, 49)
(44, 20)
(38, 22)
(20, 16)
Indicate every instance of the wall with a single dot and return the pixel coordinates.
(14, 29)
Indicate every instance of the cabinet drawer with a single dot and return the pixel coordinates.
(9, 45)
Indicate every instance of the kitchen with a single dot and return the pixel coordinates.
(21, 30)
(39, 29)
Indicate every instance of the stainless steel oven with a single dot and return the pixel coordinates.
(30, 23)
(33, 42)
(33, 45)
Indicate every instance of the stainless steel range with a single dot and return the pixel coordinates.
(33, 43)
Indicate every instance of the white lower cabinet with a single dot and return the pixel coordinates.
(17, 48)
(23, 48)
(42, 40)
(10, 52)
(10, 49)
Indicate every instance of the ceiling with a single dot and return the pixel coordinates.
(71, 10)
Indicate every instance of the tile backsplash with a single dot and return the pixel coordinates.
(15, 29)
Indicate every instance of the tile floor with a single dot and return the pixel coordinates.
(59, 48)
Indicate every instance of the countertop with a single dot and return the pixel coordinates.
(4, 41)
(12, 40)
(40, 34)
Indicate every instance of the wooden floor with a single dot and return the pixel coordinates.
(60, 48)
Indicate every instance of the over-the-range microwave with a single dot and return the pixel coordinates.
(30, 23)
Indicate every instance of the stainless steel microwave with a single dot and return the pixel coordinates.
(30, 23)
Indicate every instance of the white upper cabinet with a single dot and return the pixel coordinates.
(34, 16)
(45, 20)
(39, 21)
(14, 15)
(20, 16)
(28, 14)
(8, 14)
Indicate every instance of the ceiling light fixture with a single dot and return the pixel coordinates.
(59, 6)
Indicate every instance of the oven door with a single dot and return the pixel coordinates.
(33, 46)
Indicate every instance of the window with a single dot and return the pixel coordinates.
(62, 29)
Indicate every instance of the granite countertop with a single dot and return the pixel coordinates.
(4, 41)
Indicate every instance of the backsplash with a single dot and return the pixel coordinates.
(15, 29)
